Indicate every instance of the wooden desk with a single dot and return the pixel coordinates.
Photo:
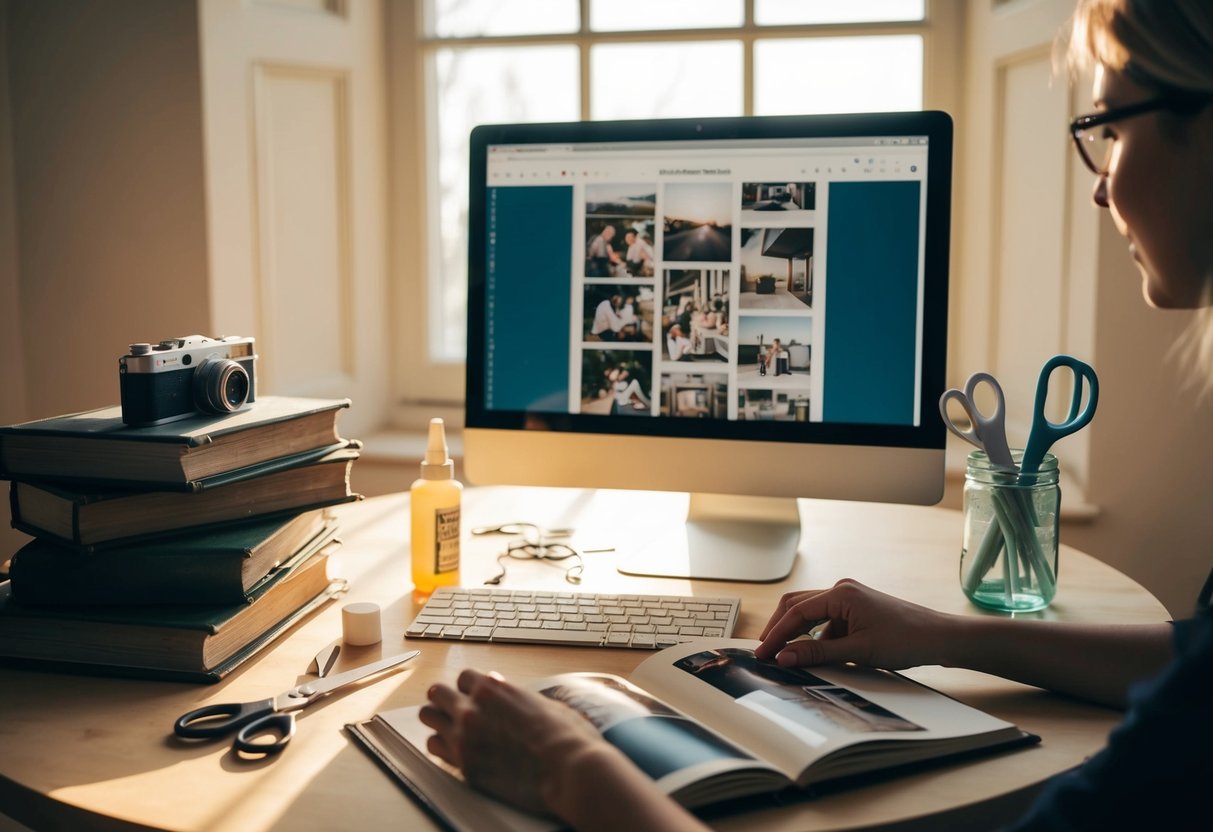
(81, 752)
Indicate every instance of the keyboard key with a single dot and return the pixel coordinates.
(581, 638)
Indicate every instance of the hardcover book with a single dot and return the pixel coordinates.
(98, 517)
(166, 641)
(222, 565)
(98, 446)
(709, 722)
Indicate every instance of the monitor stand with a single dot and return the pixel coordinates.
(726, 538)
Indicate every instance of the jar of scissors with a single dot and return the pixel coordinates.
(1012, 498)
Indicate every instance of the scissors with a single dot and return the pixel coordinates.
(986, 432)
(1044, 433)
(272, 717)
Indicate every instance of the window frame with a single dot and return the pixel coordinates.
(421, 386)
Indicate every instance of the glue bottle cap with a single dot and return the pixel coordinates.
(438, 464)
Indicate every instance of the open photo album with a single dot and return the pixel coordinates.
(709, 722)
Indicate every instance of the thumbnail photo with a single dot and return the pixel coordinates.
(617, 382)
(766, 405)
(793, 695)
(618, 312)
(619, 230)
(695, 315)
(776, 268)
(695, 395)
(778, 198)
(698, 222)
(774, 351)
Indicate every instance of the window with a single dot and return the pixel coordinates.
(484, 61)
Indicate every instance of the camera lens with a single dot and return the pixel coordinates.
(235, 389)
(220, 386)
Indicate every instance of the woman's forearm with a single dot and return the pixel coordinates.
(1096, 662)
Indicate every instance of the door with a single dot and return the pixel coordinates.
(295, 144)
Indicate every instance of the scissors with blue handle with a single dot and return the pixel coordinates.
(266, 727)
(986, 432)
(1044, 433)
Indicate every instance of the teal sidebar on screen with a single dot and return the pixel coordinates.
(530, 250)
(871, 321)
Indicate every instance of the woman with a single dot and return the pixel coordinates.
(1154, 99)
(626, 390)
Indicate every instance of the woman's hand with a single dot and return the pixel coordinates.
(514, 744)
(542, 756)
(865, 626)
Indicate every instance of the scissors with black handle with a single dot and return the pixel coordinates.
(266, 726)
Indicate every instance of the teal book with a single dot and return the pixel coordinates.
(98, 447)
(97, 518)
(188, 643)
(221, 565)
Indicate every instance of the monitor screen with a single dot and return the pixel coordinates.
(754, 307)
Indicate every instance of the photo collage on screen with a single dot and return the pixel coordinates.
(697, 300)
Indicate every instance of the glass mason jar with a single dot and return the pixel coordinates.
(1008, 559)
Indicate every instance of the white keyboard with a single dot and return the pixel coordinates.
(581, 619)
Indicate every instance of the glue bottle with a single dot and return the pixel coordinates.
(434, 502)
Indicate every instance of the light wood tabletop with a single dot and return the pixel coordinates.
(82, 752)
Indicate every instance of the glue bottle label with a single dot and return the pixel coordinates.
(446, 540)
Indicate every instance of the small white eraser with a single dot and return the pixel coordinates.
(360, 623)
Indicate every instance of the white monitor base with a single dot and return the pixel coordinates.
(727, 538)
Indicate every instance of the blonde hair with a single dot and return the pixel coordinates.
(1165, 46)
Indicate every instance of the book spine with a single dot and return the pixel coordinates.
(69, 579)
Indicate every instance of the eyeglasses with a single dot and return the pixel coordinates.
(534, 543)
(1095, 146)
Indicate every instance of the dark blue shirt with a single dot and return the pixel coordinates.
(1157, 769)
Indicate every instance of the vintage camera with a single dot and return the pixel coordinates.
(182, 377)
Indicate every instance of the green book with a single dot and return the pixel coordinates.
(222, 565)
(98, 447)
(165, 642)
(100, 518)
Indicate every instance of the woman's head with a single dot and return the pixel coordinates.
(1158, 180)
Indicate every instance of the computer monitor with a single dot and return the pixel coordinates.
(750, 310)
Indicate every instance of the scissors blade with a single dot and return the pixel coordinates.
(325, 659)
(358, 673)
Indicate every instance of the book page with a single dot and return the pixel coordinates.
(792, 717)
(663, 743)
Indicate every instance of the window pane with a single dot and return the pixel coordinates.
(633, 15)
(472, 18)
(666, 80)
(470, 87)
(784, 12)
(837, 75)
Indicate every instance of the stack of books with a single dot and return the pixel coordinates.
(170, 551)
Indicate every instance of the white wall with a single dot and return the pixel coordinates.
(107, 186)
(102, 233)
